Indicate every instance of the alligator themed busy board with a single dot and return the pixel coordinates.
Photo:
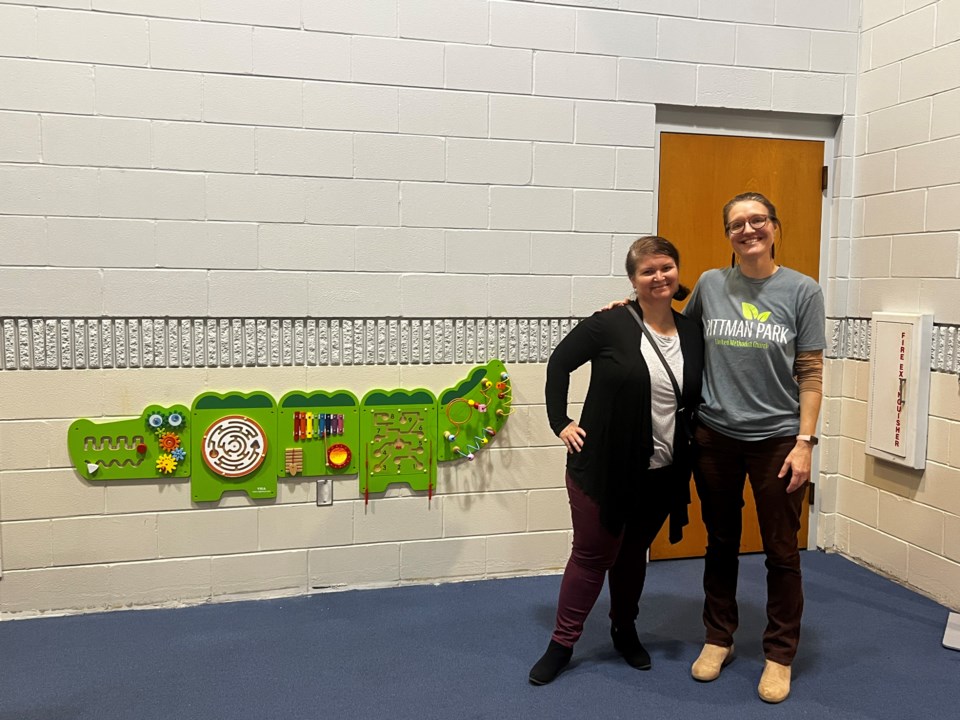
(245, 441)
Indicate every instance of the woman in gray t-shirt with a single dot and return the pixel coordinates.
(763, 366)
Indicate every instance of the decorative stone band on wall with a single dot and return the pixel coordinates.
(849, 339)
(94, 343)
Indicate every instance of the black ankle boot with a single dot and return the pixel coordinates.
(627, 643)
(549, 666)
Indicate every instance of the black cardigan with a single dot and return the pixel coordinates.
(616, 413)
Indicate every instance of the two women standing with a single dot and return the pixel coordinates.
(763, 328)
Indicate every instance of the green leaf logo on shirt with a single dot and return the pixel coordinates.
(750, 312)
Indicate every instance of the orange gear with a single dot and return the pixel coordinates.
(169, 441)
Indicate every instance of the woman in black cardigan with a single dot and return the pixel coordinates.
(629, 461)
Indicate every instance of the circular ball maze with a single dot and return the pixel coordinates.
(234, 446)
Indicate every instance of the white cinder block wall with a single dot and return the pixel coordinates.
(902, 257)
(371, 159)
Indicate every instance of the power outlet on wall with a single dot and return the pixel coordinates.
(324, 491)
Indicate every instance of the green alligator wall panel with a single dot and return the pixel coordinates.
(320, 431)
(234, 444)
(229, 442)
(139, 448)
(399, 430)
(473, 412)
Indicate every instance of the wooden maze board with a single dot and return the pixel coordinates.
(399, 430)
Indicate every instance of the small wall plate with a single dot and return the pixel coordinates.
(325, 491)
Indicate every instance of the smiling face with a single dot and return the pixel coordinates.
(655, 279)
(749, 242)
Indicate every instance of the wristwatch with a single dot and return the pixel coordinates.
(812, 439)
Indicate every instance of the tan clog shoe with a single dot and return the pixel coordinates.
(774, 683)
(713, 658)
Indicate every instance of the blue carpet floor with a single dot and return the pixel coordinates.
(870, 649)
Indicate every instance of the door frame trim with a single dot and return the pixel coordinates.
(775, 126)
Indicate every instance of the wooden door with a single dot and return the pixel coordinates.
(698, 175)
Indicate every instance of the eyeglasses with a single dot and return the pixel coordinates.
(757, 222)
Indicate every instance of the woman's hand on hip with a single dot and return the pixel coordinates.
(797, 464)
(572, 436)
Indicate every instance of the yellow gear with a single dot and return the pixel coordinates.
(166, 464)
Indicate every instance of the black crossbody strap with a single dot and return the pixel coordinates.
(653, 343)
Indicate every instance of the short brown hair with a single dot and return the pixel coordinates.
(654, 245)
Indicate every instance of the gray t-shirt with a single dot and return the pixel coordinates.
(753, 330)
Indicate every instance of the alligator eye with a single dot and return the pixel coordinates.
(155, 420)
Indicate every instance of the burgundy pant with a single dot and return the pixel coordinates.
(596, 551)
(722, 464)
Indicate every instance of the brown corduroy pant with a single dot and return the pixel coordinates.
(722, 465)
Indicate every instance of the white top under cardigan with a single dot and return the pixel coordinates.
(663, 401)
